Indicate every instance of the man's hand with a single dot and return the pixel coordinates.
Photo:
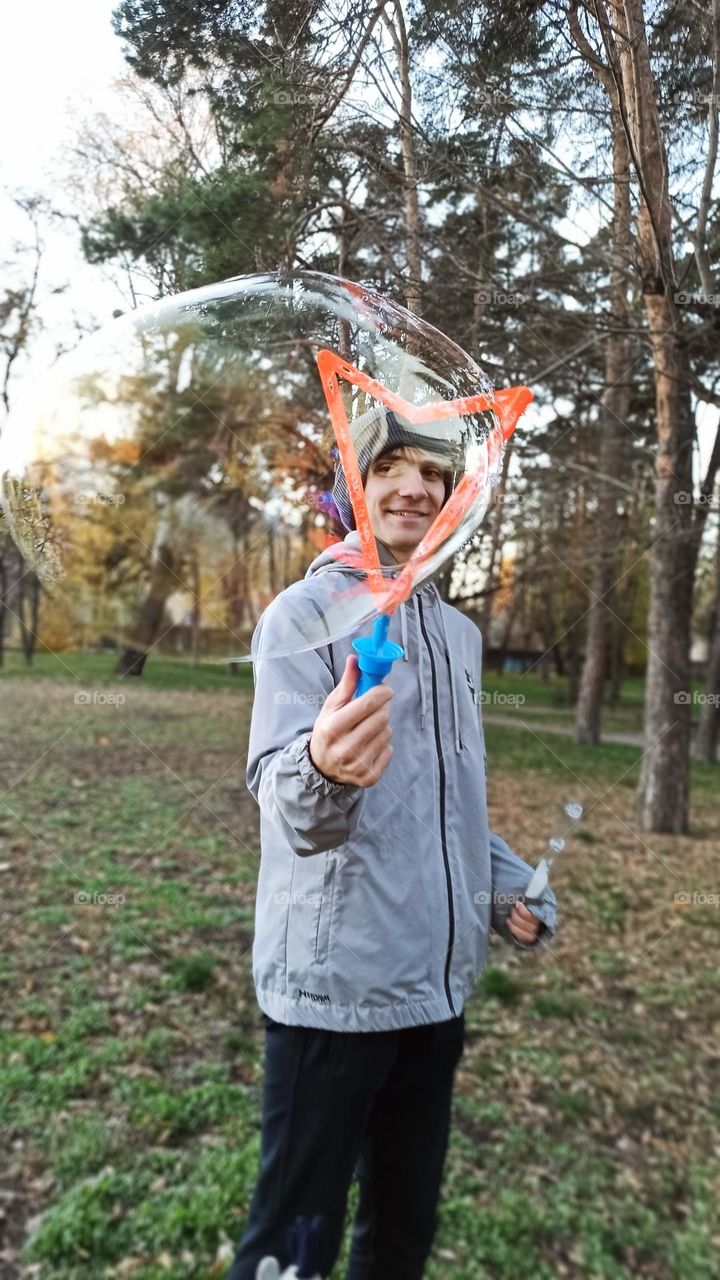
(523, 925)
(351, 737)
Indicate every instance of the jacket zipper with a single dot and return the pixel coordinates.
(443, 832)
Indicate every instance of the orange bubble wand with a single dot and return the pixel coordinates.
(377, 653)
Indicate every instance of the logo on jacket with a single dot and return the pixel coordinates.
(471, 686)
(312, 995)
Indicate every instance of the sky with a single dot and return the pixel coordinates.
(56, 60)
(50, 56)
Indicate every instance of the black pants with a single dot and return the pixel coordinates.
(374, 1103)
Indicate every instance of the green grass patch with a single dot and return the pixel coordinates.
(156, 1110)
(558, 1004)
(516, 751)
(95, 670)
(194, 973)
(500, 985)
(611, 906)
(156, 1202)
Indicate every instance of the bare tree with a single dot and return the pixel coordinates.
(398, 33)
(614, 411)
(708, 733)
(664, 783)
(18, 302)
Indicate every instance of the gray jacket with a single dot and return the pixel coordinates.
(374, 905)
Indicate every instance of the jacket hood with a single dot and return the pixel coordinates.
(326, 562)
(326, 559)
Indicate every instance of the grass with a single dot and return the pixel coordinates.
(584, 1111)
(95, 671)
(583, 767)
(554, 692)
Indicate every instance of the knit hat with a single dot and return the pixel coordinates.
(379, 431)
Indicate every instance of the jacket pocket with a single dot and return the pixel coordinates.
(324, 920)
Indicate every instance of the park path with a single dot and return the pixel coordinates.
(514, 721)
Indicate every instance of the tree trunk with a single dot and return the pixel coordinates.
(143, 635)
(507, 632)
(272, 570)
(413, 253)
(573, 666)
(665, 777)
(343, 254)
(706, 743)
(617, 664)
(614, 410)
(629, 82)
(30, 636)
(27, 592)
(237, 590)
(495, 535)
(664, 782)
(195, 616)
(3, 602)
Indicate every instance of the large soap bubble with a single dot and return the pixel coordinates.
(177, 471)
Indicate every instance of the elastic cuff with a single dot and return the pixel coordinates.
(313, 779)
(544, 911)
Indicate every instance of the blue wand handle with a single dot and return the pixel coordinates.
(376, 655)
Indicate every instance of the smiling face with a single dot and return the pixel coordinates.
(404, 491)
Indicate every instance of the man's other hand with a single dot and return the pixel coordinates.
(523, 925)
(351, 737)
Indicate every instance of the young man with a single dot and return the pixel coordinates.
(379, 883)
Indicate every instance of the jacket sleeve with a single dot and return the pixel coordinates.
(313, 813)
(510, 877)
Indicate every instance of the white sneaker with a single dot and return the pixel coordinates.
(269, 1269)
(307, 1235)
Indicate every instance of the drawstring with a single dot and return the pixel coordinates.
(421, 654)
(421, 648)
(403, 631)
(421, 670)
(453, 695)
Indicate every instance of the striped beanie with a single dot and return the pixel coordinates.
(379, 431)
